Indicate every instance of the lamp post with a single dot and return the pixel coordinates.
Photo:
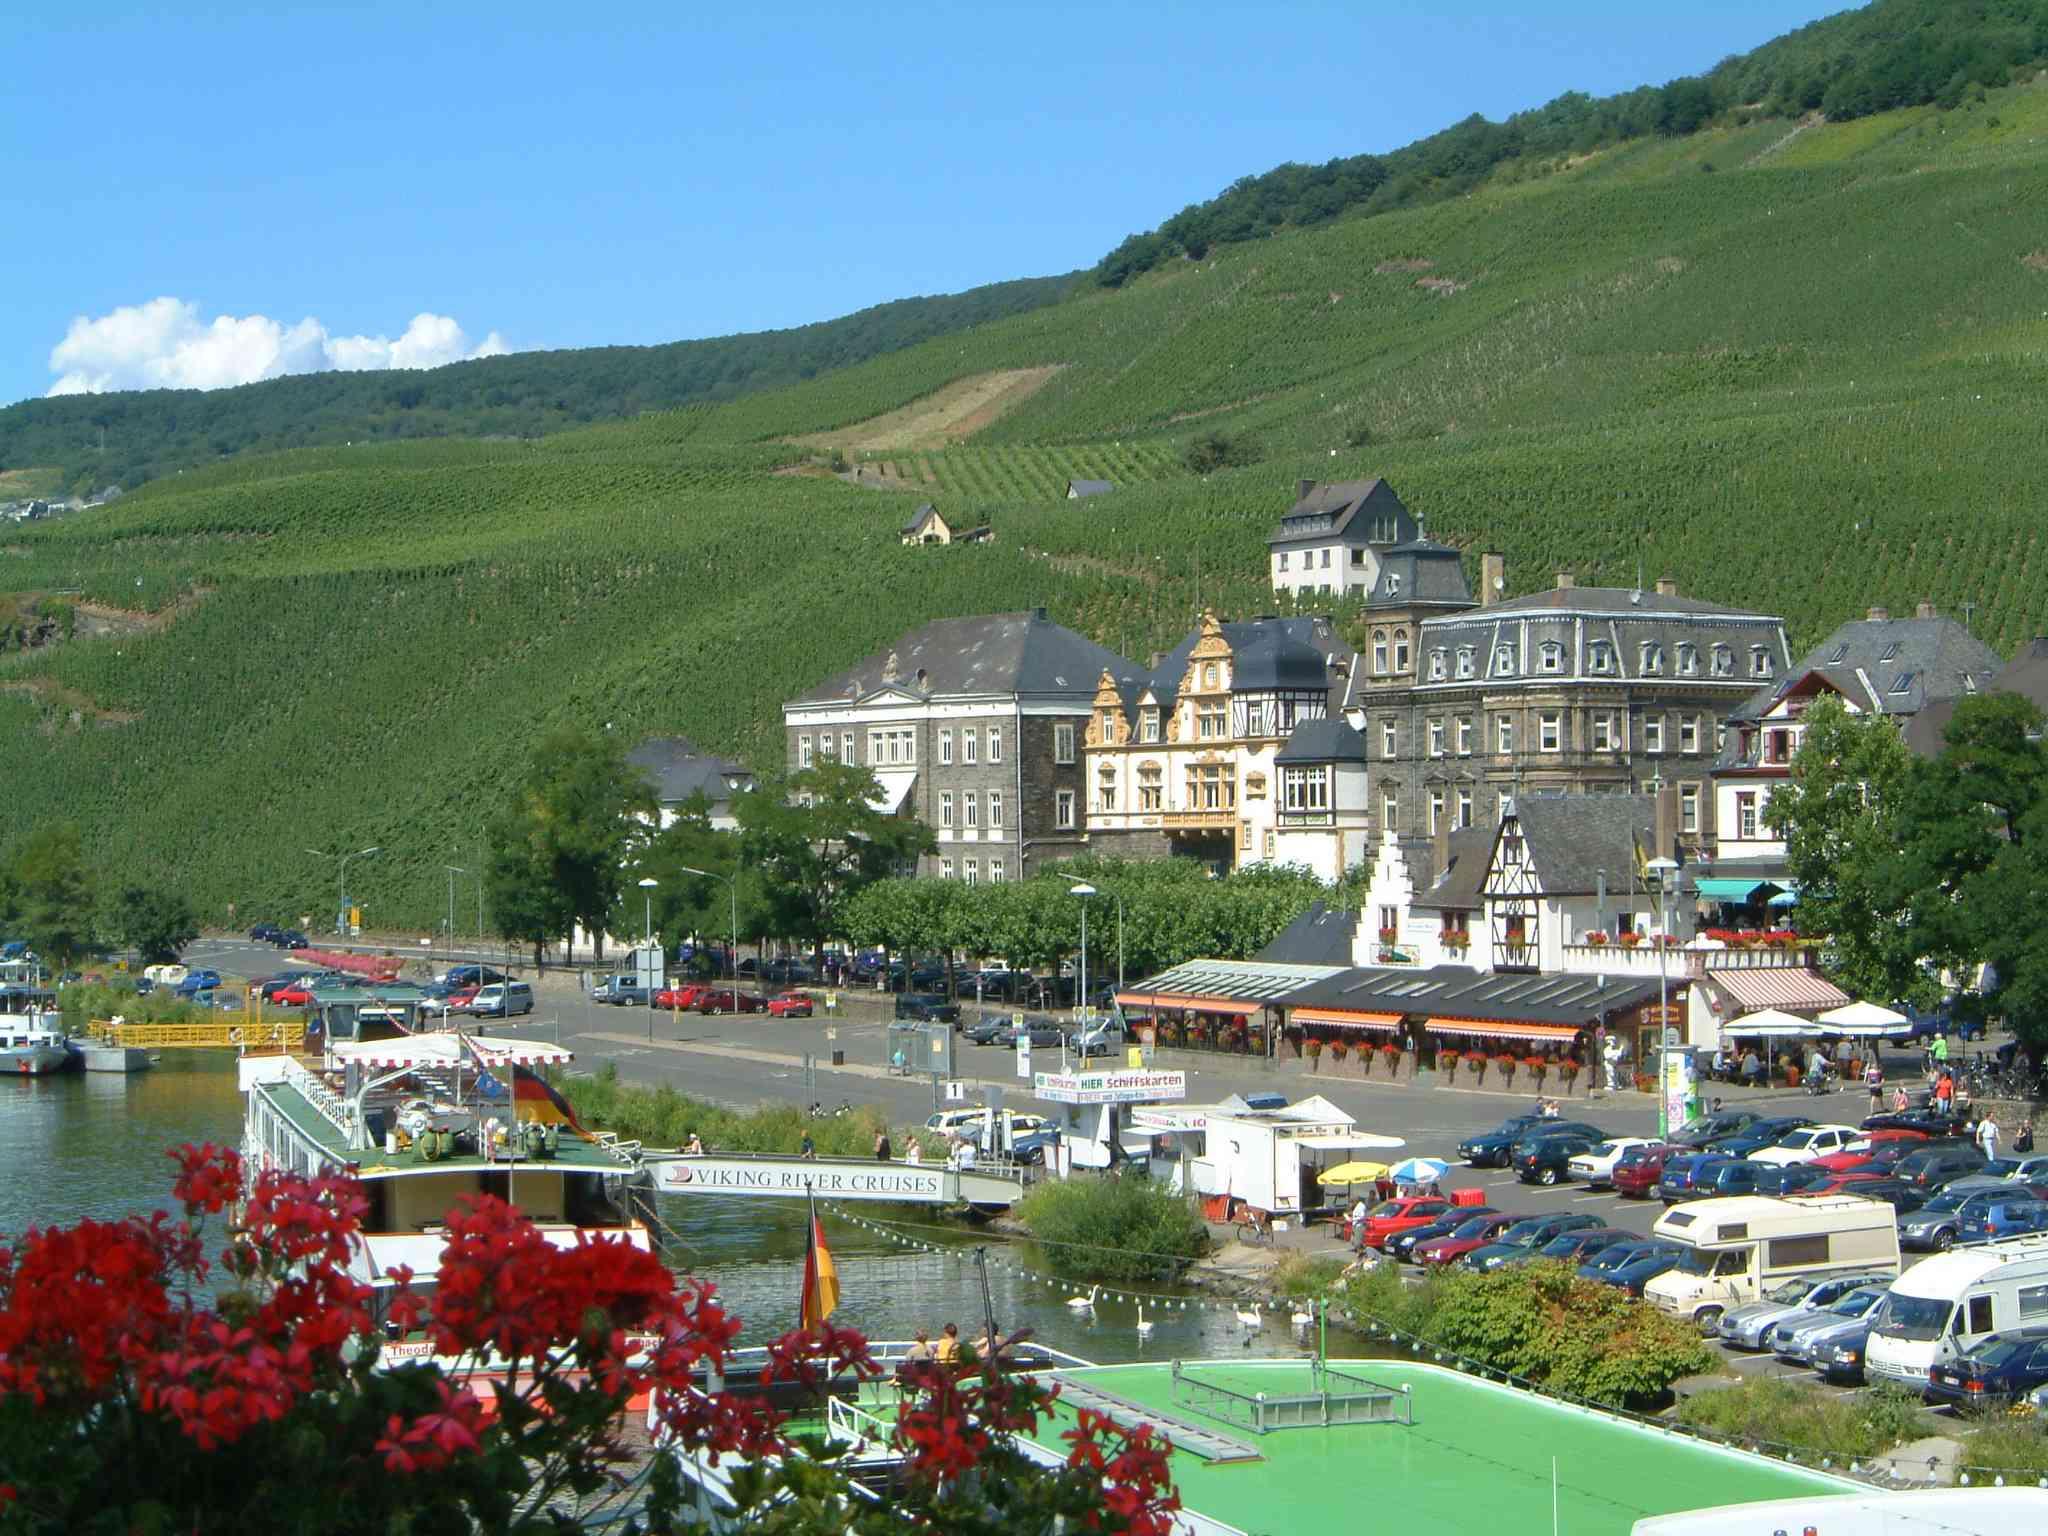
(1661, 870)
(1084, 890)
(733, 888)
(342, 920)
(647, 943)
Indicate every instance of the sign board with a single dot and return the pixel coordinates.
(796, 1178)
(1113, 1087)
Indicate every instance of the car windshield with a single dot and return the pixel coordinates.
(1915, 1317)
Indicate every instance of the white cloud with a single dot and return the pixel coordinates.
(164, 344)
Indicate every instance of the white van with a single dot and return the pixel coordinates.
(1743, 1245)
(1943, 1305)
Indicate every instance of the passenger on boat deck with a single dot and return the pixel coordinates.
(694, 1146)
(947, 1351)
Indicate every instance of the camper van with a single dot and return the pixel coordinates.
(1736, 1249)
(1943, 1305)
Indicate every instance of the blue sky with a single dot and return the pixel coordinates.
(542, 177)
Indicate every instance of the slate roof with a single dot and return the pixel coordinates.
(1575, 839)
(678, 770)
(995, 653)
(1327, 740)
(1421, 573)
(1459, 992)
(1457, 887)
(1348, 510)
(1084, 488)
(1320, 936)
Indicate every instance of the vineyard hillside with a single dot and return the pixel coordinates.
(1808, 380)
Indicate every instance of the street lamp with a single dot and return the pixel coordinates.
(1084, 890)
(1662, 873)
(647, 891)
(732, 885)
(344, 857)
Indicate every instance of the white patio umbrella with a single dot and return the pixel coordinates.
(1867, 1021)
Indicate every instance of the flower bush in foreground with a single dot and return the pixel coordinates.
(133, 1399)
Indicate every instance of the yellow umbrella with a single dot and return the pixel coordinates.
(1352, 1173)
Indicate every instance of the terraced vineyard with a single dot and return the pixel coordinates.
(1809, 381)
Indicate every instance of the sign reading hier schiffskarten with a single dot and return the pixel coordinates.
(1111, 1087)
(795, 1177)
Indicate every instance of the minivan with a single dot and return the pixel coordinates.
(502, 999)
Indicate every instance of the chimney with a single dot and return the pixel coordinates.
(1665, 836)
(1878, 615)
(1565, 581)
(1493, 577)
(1667, 586)
(1302, 488)
(1925, 610)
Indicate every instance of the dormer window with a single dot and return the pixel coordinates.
(1602, 657)
(1724, 661)
(1466, 659)
(1439, 664)
(1550, 657)
(1759, 661)
(1651, 662)
(1503, 661)
(1688, 659)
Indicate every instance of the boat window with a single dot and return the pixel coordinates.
(1915, 1317)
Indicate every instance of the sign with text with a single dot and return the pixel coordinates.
(1124, 1087)
(797, 1177)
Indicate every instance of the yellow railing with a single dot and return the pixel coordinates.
(228, 1032)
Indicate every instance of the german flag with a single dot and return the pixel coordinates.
(821, 1277)
(534, 1098)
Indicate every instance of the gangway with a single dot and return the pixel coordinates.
(834, 1178)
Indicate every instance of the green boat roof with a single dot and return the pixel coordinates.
(1479, 1457)
(574, 1154)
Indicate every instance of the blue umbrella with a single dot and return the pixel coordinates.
(1420, 1170)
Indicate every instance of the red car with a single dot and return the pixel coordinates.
(1476, 1233)
(726, 1000)
(687, 995)
(791, 1005)
(1636, 1175)
(1399, 1214)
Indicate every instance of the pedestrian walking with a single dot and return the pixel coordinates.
(882, 1150)
(1873, 1079)
(1987, 1138)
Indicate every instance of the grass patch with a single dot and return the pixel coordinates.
(1303, 1277)
(1791, 1415)
(1116, 1229)
(661, 1117)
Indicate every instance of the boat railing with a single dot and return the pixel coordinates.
(318, 1094)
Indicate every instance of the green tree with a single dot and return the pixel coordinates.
(559, 845)
(1838, 813)
(157, 924)
(817, 838)
(54, 894)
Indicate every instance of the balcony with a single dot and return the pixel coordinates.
(1224, 820)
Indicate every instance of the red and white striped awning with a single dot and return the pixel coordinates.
(447, 1048)
(1340, 1018)
(1502, 1029)
(1793, 988)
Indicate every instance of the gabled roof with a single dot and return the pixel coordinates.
(1082, 488)
(997, 653)
(1574, 840)
(1322, 935)
(678, 770)
(1328, 740)
(1348, 510)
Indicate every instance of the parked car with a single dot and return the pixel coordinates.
(929, 1008)
(1489, 1149)
(1749, 1325)
(1723, 1122)
(1794, 1337)
(1931, 1167)
(2000, 1217)
(1471, 1234)
(790, 1005)
(1402, 1245)
(1633, 1266)
(501, 999)
(1939, 1223)
(1806, 1143)
(1594, 1167)
(1635, 1177)
(1525, 1237)
(2000, 1369)
(731, 1000)
(1544, 1159)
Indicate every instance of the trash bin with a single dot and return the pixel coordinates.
(839, 1058)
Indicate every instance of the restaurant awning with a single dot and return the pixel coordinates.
(1502, 1029)
(1342, 1019)
(894, 789)
(1198, 1004)
(1731, 890)
(1794, 988)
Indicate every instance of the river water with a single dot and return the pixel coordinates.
(90, 1144)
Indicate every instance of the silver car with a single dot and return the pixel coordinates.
(1749, 1327)
(1793, 1338)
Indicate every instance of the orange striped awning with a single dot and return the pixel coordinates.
(1176, 1000)
(1504, 1030)
(1345, 1019)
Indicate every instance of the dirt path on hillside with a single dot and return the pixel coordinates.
(958, 410)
